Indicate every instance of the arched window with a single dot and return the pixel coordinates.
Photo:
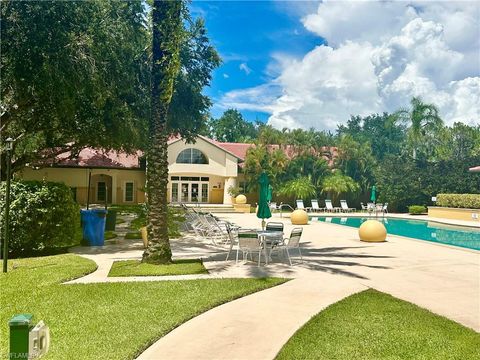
(191, 156)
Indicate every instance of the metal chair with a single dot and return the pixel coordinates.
(248, 243)
(293, 243)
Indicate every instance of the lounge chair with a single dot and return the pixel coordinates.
(329, 206)
(315, 206)
(344, 206)
(300, 205)
(273, 206)
(364, 207)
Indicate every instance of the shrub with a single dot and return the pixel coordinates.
(469, 201)
(417, 209)
(42, 215)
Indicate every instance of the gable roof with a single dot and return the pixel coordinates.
(210, 141)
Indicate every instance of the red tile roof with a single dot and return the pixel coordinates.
(99, 158)
(90, 157)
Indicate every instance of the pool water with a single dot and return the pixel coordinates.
(418, 229)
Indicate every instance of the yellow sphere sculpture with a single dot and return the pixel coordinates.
(241, 199)
(299, 217)
(372, 231)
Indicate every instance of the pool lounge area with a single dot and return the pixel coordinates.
(417, 229)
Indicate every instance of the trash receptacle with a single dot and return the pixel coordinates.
(93, 224)
(20, 326)
(111, 220)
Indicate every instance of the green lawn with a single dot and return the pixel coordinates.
(105, 321)
(137, 268)
(133, 235)
(374, 325)
(110, 235)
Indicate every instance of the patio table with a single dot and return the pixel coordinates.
(267, 239)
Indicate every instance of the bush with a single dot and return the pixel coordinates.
(469, 201)
(43, 215)
(417, 209)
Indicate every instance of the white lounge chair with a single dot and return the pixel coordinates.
(330, 207)
(315, 207)
(344, 206)
(300, 205)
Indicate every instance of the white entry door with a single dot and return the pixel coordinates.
(189, 192)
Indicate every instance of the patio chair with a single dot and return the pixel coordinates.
(273, 206)
(300, 205)
(249, 244)
(364, 207)
(385, 208)
(344, 206)
(292, 243)
(315, 206)
(329, 206)
(278, 227)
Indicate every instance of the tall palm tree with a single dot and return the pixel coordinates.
(167, 33)
(425, 123)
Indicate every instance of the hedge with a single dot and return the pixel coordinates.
(467, 201)
(417, 209)
(43, 215)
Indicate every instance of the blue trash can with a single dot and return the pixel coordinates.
(93, 225)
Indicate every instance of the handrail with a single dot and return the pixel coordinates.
(287, 205)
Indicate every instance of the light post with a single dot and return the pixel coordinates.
(9, 147)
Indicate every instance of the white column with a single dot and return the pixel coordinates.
(231, 181)
(114, 188)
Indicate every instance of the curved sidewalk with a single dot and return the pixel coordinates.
(255, 326)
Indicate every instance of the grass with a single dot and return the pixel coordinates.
(137, 268)
(133, 235)
(109, 320)
(110, 235)
(374, 325)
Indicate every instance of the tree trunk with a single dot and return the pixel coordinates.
(165, 64)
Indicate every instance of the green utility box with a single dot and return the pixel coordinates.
(111, 220)
(20, 326)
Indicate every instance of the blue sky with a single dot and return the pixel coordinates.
(302, 64)
(246, 34)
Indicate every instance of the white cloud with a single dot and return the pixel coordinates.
(244, 67)
(225, 75)
(380, 54)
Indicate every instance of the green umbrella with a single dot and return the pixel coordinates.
(373, 196)
(263, 208)
(270, 193)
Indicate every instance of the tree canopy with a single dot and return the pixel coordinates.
(77, 74)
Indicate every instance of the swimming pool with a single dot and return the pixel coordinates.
(418, 229)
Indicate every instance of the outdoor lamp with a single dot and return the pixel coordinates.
(9, 144)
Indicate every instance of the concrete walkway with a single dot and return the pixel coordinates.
(255, 326)
(443, 279)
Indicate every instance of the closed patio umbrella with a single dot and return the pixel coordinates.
(270, 193)
(373, 195)
(263, 208)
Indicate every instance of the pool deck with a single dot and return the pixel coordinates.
(441, 278)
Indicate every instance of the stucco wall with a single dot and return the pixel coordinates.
(220, 162)
(78, 178)
(454, 213)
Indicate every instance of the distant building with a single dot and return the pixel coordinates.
(201, 172)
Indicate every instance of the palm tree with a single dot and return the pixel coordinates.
(301, 188)
(167, 32)
(337, 184)
(425, 123)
